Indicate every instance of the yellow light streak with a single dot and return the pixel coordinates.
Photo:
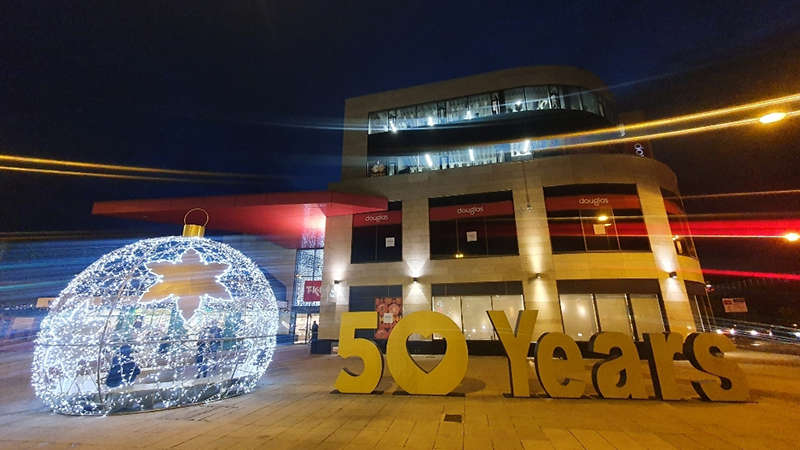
(680, 119)
(616, 129)
(121, 168)
(114, 175)
(663, 134)
(772, 117)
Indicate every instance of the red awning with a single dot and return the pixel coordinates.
(283, 217)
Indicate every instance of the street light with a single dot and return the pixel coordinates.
(772, 117)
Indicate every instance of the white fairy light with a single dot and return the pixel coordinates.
(103, 348)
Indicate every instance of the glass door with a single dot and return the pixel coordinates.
(311, 319)
(301, 329)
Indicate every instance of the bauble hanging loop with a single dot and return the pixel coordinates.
(194, 230)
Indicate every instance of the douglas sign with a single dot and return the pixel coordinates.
(558, 360)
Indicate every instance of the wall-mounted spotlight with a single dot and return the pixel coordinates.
(673, 275)
(415, 280)
(536, 276)
(337, 281)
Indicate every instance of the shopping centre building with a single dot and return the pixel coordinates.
(471, 194)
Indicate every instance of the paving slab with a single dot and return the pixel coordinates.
(293, 408)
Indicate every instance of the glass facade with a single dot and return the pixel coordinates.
(633, 314)
(475, 155)
(307, 267)
(378, 237)
(701, 312)
(487, 105)
(472, 225)
(469, 313)
(595, 218)
(678, 224)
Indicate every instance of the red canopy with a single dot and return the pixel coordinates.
(283, 217)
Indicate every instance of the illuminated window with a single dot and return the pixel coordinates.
(572, 97)
(472, 226)
(536, 98)
(486, 105)
(647, 314)
(378, 122)
(595, 218)
(480, 105)
(457, 109)
(406, 118)
(468, 312)
(678, 224)
(578, 316)
(307, 267)
(584, 314)
(514, 100)
(426, 115)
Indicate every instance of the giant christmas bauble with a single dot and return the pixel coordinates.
(156, 324)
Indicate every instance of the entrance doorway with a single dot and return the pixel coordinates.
(302, 327)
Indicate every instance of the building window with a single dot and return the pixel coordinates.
(472, 226)
(554, 93)
(406, 118)
(480, 105)
(308, 276)
(469, 313)
(378, 122)
(572, 97)
(583, 315)
(487, 104)
(426, 115)
(382, 300)
(536, 98)
(378, 237)
(590, 102)
(458, 110)
(515, 100)
(702, 312)
(678, 224)
(595, 218)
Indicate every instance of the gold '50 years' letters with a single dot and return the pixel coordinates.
(558, 360)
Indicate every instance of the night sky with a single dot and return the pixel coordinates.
(259, 86)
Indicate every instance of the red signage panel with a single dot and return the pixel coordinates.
(312, 291)
(378, 218)
(503, 208)
(600, 201)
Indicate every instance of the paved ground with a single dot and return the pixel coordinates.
(293, 408)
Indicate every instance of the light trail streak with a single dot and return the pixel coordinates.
(116, 176)
(626, 139)
(621, 130)
(662, 134)
(749, 274)
(683, 118)
(121, 168)
(738, 194)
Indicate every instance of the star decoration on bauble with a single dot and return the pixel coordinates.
(189, 279)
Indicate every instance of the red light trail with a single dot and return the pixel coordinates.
(748, 274)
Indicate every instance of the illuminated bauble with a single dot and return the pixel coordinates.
(156, 324)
